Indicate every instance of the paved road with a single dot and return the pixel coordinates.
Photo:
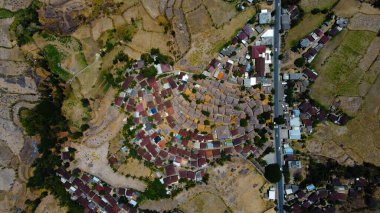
(277, 108)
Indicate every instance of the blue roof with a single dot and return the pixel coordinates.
(157, 139)
(178, 136)
(310, 187)
(296, 112)
(295, 134)
(288, 151)
(248, 68)
(153, 110)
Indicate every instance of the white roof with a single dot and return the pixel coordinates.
(158, 68)
(264, 11)
(272, 195)
(133, 203)
(288, 191)
(268, 33)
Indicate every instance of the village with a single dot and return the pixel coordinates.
(180, 123)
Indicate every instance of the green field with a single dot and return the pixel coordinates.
(54, 57)
(340, 75)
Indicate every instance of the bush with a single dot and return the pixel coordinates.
(154, 191)
(273, 173)
(315, 11)
(149, 72)
(299, 62)
(243, 122)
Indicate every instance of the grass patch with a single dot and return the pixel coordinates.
(341, 74)
(54, 57)
(4, 13)
(308, 5)
(308, 24)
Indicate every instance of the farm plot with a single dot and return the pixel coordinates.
(341, 75)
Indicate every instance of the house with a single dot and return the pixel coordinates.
(294, 12)
(265, 17)
(310, 74)
(222, 133)
(294, 164)
(260, 67)
(258, 29)
(324, 40)
(272, 194)
(310, 187)
(248, 30)
(257, 51)
(304, 43)
(267, 37)
(285, 21)
(248, 82)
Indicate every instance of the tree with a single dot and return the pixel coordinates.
(154, 191)
(280, 120)
(149, 72)
(315, 11)
(243, 122)
(272, 173)
(299, 62)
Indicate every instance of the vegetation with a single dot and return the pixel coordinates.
(46, 120)
(53, 58)
(299, 62)
(154, 191)
(4, 13)
(243, 122)
(272, 173)
(149, 72)
(205, 113)
(26, 23)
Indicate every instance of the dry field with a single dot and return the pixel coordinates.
(50, 204)
(234, 187)
(95, 162)
(348, 8)
(136, 168)
(203, 203)
(308, 5)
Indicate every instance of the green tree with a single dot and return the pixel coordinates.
(149, 72)
(299, 62)
(272, 173)
(154, 191)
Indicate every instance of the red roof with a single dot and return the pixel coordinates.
(260, 67)
(324, 40)
(257, 50)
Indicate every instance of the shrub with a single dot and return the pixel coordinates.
(149, 72)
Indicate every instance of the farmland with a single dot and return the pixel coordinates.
(340, 74)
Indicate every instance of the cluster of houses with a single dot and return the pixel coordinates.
(94, 194)
(183, 121)
(316, 40)
(313, 199)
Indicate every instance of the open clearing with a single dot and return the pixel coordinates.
(308, 5)
(340, 74)
(203, 202)
(307, 25)
(235, 187)
(348, 8)
(134, 167)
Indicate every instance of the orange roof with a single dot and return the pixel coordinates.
(209, 154)
(220, 75)
(162, 144)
